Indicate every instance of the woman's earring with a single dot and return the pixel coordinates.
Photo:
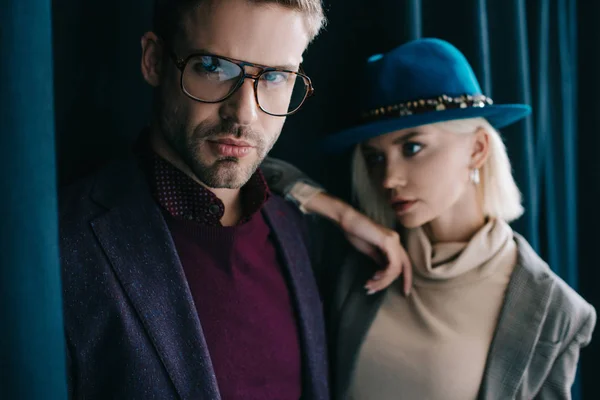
(475, 176)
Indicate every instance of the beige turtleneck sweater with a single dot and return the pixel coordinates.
(433, 345)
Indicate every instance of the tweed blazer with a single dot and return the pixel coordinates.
(131, 325)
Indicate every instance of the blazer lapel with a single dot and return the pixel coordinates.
(297, 270)
(519, 325)
(140, 249)
(356, 311)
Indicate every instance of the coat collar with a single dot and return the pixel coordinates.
(305, 294)
(519, 325)
(137, 242)
(356, 311)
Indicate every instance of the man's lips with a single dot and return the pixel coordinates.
(232, 142)
(231, 147)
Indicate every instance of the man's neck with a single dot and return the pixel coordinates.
(230, 197)
(233, 205)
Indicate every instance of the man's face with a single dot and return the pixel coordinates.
(224, 143)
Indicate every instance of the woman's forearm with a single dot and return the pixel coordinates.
(325, 205)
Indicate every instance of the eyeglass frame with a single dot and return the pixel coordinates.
(181, 63)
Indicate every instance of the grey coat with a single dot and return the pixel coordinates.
(542, 326)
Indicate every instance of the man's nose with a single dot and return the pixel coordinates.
(241, 108)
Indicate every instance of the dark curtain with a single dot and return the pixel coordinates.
(32, 351)
(102, 101)
(588, 178)
(540, 52)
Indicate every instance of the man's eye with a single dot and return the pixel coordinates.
(207, 64)
(275, 78)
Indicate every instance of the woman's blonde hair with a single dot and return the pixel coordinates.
(501, 196)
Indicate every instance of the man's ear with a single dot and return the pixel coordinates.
(481, 148)
(152, 57)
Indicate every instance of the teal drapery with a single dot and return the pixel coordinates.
(32, 351)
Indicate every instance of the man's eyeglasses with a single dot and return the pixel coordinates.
(211, 79)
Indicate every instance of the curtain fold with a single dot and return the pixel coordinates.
(32, 351)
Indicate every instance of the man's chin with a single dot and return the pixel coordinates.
(224, 174)
(227, 182)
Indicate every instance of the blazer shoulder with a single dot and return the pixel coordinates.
(101, 189)
(277, 205)
(569, 316)
(280, 204)
(75, 199)
(571, 312)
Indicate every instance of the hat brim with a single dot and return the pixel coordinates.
(497, 115)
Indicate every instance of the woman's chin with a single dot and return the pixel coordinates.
(410, 220)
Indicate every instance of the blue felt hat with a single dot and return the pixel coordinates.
(421, 82)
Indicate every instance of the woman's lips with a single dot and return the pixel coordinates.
(401, 206)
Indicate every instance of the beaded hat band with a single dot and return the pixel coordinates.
(420, 106)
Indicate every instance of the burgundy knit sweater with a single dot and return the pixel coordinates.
(237, 284)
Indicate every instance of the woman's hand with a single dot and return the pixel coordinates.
(382, 245)
(376, 241)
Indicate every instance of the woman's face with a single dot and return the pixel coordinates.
(424, 172)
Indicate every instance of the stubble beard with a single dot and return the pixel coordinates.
(189, 144)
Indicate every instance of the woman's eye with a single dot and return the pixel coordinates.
(411, 148)
(374, 159)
